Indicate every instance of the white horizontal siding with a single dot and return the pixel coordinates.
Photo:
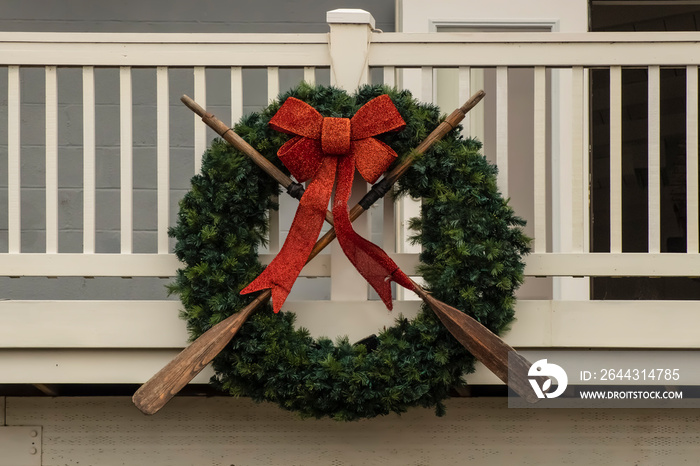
(91, 324)
(129, 341)
(155, 324)
(94, 366)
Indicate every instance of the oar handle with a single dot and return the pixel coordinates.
(384, 185)
(236, 141)
(294, 189)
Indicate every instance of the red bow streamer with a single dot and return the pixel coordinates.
(320, 148)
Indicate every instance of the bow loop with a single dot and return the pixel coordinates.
(377, 116)
(297, 117)
(371, 168)
(302, 156)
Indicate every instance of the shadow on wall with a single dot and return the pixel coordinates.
(634, 154)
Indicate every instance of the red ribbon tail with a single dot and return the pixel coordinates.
(283, 271)
(266, 280)
(368, 258)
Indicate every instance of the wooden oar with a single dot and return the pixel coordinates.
(155, 393)
(172, 378)
(499, 357)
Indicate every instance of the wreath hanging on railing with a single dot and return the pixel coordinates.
(472, 248)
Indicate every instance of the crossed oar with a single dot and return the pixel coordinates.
(487, 347)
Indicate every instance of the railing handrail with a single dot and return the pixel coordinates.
(162, 37)
(163, 53)
(377, 37)
(536, 37)
(523, 49)
(528, 49)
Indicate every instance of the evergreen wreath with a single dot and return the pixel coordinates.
(472, 259)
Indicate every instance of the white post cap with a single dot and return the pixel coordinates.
(350, 16)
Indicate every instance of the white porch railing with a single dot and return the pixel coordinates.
(54, 340)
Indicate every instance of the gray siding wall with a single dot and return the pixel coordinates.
(213, 16)
(182, 15)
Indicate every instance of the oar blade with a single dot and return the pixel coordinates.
(161, 388)
(486, 346)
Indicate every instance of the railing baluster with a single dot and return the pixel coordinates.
(200, 130)
(577, 169)
(273, 83)
(273, 89)
(163, 154)
(310, 75)
(502, 128)
(615, 159)
(426, 84)
(88, 160)
(389, 226)
(465, 91)
(693, 204)
(236, 94)
(51, 190)
(654, 171)
(540, 162)
(389, 76)
(126, 159)
(13, 160)
(274, 229)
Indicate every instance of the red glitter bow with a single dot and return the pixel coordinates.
(320, 147)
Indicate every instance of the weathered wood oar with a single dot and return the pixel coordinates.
(506, 363)
(294, 189)
(167, 382)
(155, 393)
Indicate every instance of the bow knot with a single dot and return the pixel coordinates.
(352, 141)
(335, 136)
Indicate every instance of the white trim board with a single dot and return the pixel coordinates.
(487, 25)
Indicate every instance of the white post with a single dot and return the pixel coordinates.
(349, 46)
(563, 170)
